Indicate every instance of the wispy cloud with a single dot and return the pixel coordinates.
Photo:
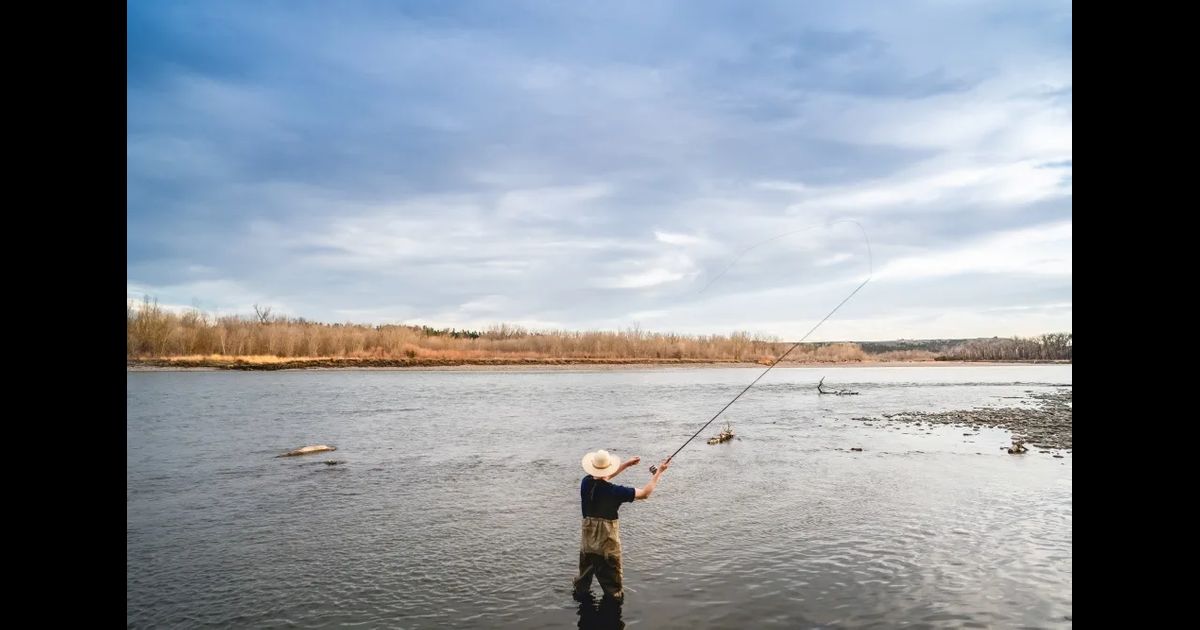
(671, 238)
(1038, 250)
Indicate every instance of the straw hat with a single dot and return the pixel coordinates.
(601, 463)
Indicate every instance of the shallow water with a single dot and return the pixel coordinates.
(457, 504)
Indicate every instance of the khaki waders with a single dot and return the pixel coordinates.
(600, 555)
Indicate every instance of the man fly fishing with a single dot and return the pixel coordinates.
(600, 540)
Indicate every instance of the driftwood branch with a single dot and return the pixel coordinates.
(836, 392)
(308, 450)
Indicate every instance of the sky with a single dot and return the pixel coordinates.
(691, 167)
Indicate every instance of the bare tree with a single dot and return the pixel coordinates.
(263, 313)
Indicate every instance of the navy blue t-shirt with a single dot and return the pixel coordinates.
(607, 498)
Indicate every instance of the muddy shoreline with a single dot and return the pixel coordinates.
(155, 365)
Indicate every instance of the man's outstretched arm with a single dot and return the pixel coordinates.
(644, 493)
(633, 461)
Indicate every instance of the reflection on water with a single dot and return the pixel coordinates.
(602, 613)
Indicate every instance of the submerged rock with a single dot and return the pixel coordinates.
(1045, 424)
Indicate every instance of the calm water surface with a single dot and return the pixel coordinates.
(457, 504)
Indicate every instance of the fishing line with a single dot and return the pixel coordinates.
(870, 274)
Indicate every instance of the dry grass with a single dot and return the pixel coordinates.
(197, 338)
(905, 355)
(257, 359)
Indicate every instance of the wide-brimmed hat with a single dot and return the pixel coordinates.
(601, 463)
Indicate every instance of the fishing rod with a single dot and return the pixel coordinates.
(870, 273)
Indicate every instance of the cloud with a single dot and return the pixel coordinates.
(580, 165)
(549, 204)
(642, 279)
(1038, 250)
(678, 239)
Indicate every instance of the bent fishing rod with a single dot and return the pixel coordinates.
(870, 273)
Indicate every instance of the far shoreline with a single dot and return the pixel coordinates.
(519, 365)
